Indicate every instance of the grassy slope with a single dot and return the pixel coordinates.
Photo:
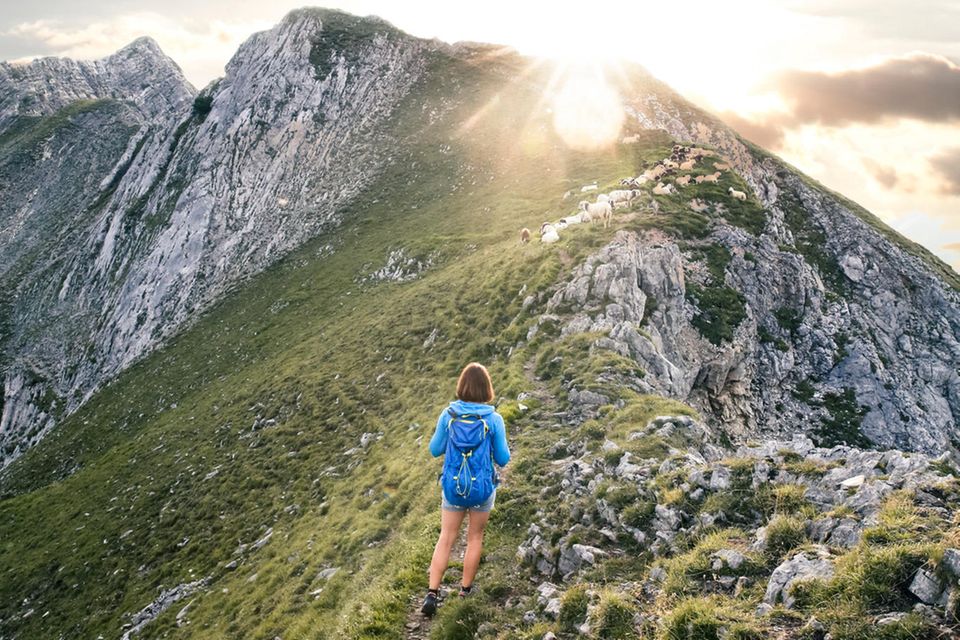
(305, 345)
(329, 359)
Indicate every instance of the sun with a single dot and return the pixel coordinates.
(588, 111)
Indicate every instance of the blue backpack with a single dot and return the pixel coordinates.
(468, 477)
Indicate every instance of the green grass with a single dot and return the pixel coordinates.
(240, 423)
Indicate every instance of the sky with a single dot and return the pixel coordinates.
(863, 95)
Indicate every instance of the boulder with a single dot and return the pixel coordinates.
(926, 586)
(805, 565)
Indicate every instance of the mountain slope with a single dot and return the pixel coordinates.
(263, 474)
(175, 211)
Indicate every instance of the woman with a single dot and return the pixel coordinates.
(474, 395)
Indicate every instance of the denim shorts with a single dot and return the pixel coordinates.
(484, 506)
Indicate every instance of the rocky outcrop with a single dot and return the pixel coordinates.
(175, 200)
(799, 349)
(873, 318)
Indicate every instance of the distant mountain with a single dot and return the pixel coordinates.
(235, 314)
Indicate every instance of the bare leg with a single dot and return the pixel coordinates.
(450, 522)
(471, 560)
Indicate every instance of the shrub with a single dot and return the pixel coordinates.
(784, 533)
(573, 607)
(613, 617)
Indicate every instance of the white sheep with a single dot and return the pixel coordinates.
(571, 220)
(721, 166)
(631, 139)
(663, 189)
(603, 198)
(622, 195)
(524, 235)
(560, 224)
(670, 164)
(739, 195)
(684, 180)
(548, 233)
(589, 187)
(597, 210)
(688, 165)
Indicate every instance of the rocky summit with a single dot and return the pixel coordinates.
(234, 314)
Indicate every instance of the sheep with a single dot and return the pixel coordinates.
(631, 139)
(713, 177)
(684, 180)
(598, 210)
(605, 214)
(655, 173)
(571, 220)
(524, 235)
(670, 164)
(687, 165)
(697, 152)
(721, 166)
(621, 195)
(548, 233)
(560, 225)
(662, 189)
(603, 197)
(739, 195)
(589, 187)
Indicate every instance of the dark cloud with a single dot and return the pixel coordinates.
(885, 175)
(946, 164)
(767, 133)
(920, 86)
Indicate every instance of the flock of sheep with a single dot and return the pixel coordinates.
(681, 158)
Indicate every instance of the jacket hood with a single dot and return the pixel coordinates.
(461, 407)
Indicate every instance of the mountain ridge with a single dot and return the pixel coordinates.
(264, 471)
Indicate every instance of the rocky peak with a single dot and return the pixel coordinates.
(139, 73)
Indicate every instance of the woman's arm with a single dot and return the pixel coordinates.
(501, 452)
(438, 443)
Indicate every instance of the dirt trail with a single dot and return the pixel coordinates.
(417, 626)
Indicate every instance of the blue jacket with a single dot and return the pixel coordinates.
(501, 452)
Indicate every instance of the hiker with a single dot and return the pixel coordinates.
(471, 436)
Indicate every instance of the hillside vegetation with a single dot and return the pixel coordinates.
(266, 474)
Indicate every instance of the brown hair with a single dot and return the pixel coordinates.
(474, 384)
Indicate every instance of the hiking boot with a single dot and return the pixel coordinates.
(429, 603)
(465, 591)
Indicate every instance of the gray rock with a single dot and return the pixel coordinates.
(926, 586)
(720, 479)
(951, 562)
(805, 565)
(729, 558)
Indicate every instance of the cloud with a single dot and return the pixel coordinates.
(766, 132)
(946, 165)
(920, 86)
(885, 175)
(923, 20)
(951, 246)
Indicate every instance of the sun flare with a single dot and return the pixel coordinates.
(588, 112)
